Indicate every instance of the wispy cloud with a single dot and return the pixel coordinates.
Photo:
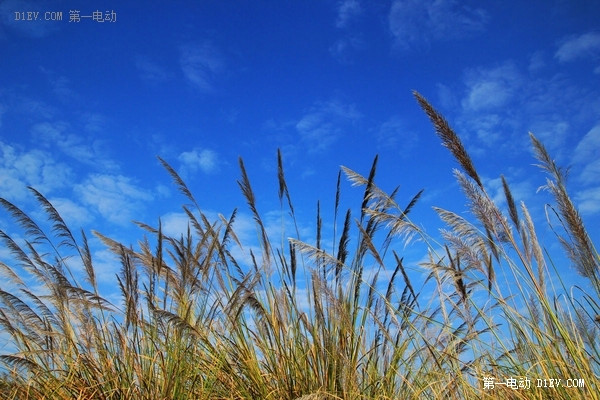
(175, 224)
(93, 122)
(200, 62)
(591, 172)
(62, 88)
(205, 160)
(322, 125)
(587, 155)
(74, 214)
(588, 201)
(56, 135)
(521, 188)
(488, 95)
(149, 70)
(346, 11)
(12, 19)
(394, 134)
(350, 39)
(416, 22)
(106, 266)
(60, 84)
(33, 108)
(344, 47)
(501, 103)
(536, 62)
(115, 197)
(37, 168)
(575, 47)
(491, 88)
(588, 148)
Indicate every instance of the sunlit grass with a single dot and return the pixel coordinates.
(300, 321)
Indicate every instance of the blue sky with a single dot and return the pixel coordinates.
(85, 107)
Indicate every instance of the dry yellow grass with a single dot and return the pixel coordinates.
(301, 322)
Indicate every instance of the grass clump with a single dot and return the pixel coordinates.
(298, 321)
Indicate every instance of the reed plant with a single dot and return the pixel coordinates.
(299, 321)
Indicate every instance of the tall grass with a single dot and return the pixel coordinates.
(299, 321)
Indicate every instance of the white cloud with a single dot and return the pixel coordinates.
(500, 104)
(414, 22)
(149, 70)
(488, 94)
(13, 15)
(93, 123)
(175, 224)
(322, 125)
(486, 127)
(487, 103)
(115, 197)
(200, 62)
(318, 132)
(11, 186)
(587, 154)
(163, 191)
(343, 48)
(80, 148)
(394, 134)
(347, 9)
(106, 266)
(61, 85)
(74, 214)
(37, 168)
(588, 201)
(49, 132)
(574, 47)
(36, 108)
(536, 62)
(591, 172)
(198, 159)
(351, 41)
(588, 147)
(521, 190)
(491, 88)
(448, 97)
(552, 130)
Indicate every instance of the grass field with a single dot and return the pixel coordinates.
(302, 322)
